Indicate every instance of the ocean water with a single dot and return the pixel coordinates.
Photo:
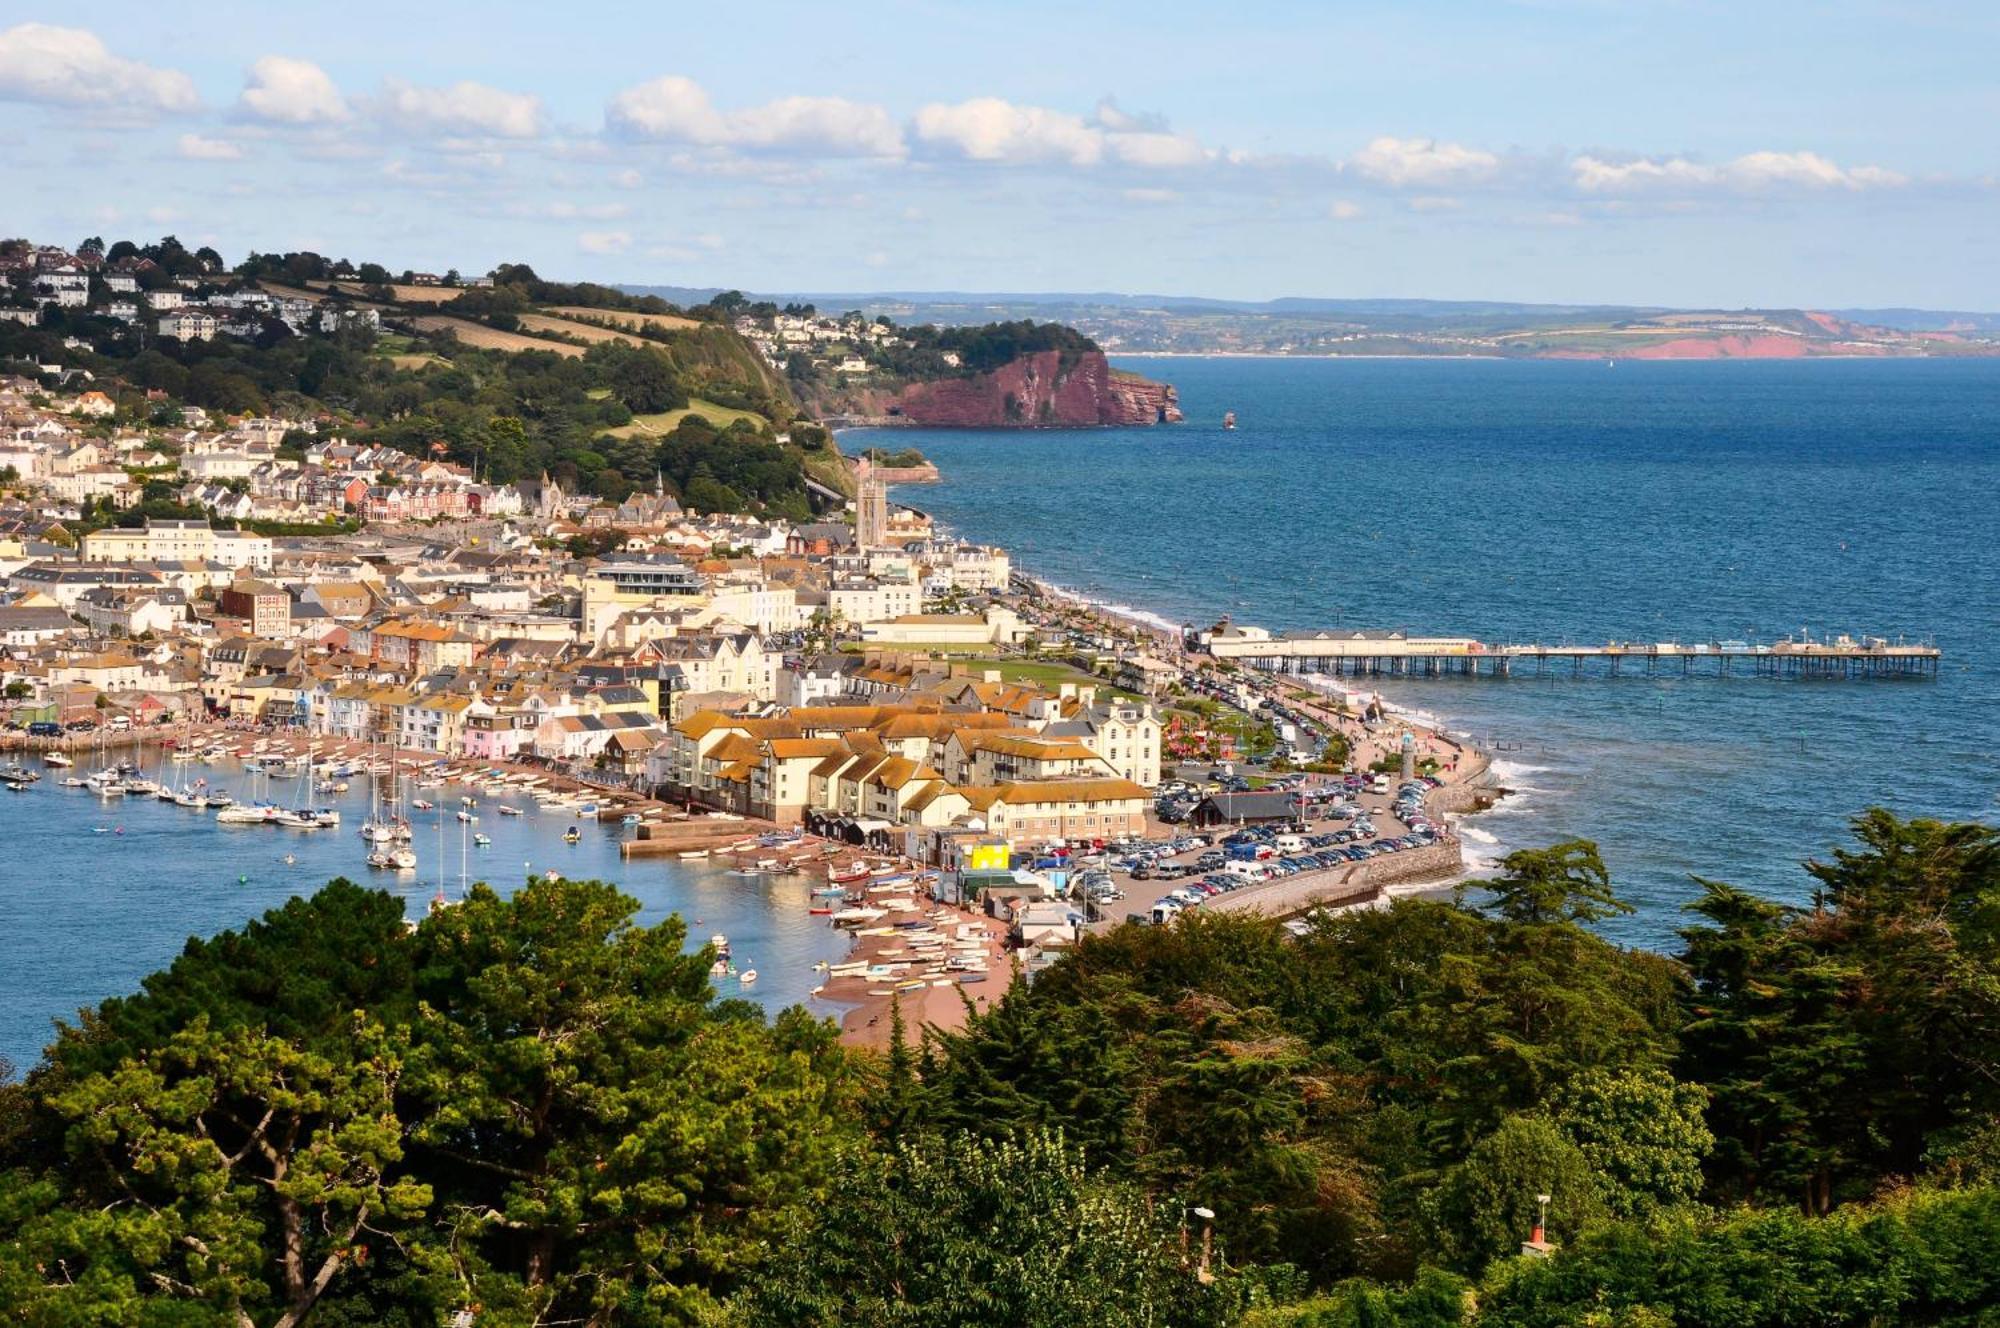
(85, 916)
(1563, 501)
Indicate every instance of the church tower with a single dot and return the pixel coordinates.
(871, 508)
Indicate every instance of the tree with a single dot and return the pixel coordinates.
(1641, 1132)
(604, 1137)
(1856, 1040)
(208, 1142)
(1488, 1204)
(963, 1233)
(645, 382)
(1565, 882)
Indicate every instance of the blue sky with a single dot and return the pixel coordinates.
(1832, 153)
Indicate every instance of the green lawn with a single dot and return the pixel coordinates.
(669, 420)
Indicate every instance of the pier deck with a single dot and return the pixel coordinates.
(1382, 654)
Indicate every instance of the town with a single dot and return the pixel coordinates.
(864, 675)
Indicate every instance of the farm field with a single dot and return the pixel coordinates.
(622, 317)
(669, 420)
(490, 338)
(406, 294)
(582, 331)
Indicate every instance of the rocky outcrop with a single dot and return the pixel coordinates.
(1046, 390)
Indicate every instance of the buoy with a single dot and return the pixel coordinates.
(243, 880)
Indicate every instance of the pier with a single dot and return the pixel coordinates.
(1398, 654)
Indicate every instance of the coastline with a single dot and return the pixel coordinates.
(1469, 786)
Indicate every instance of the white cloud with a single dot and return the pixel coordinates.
(990, 129)
(1422, 162)
(1343, 210)
(1434, 203)
(196, 148)
(287, 91)
(462, 108)
(1151, 196)
(1807, 168)
(628, 179)
(1752, 171)
(567, 211)
(676, 109)
(72, 67)
(604, 242)
(995, 130)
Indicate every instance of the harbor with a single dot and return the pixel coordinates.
(151, 843)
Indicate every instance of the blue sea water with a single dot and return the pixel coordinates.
(1565, 501)
(85, 916)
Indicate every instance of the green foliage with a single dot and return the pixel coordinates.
(1487, 1204)
(1436, 1299)
(531, 1104)
(1848, 1043)
(1922, 1258)
(1641, 1134)
(1016, 1233)
(1565, 882)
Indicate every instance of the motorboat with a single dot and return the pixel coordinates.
(242, 814)
(572, 835)
(403, 859)
(73, 782)
(747, 976)
(482, 841)
(56, 759)
(189, 798)
(505, 810)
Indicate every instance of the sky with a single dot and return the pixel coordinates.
(1767, 153)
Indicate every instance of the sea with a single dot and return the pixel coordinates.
(1565, 501)
(96, 894)
(1507, 500)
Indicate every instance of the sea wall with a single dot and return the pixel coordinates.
(1358, 884)
(1045, 390)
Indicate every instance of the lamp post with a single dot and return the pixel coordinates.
(1207, 1216)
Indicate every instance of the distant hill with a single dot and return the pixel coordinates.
(1137, 324)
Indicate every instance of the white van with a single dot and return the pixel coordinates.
(1249, 871)
(1289, 844)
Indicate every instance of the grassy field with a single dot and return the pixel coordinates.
(581, 331)
(418, 361)
(490, 338)
(407, 294)
(669, 420)
(621, 317)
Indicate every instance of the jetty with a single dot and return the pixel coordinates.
(1399, 654)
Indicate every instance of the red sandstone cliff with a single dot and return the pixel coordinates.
(1038, 391)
